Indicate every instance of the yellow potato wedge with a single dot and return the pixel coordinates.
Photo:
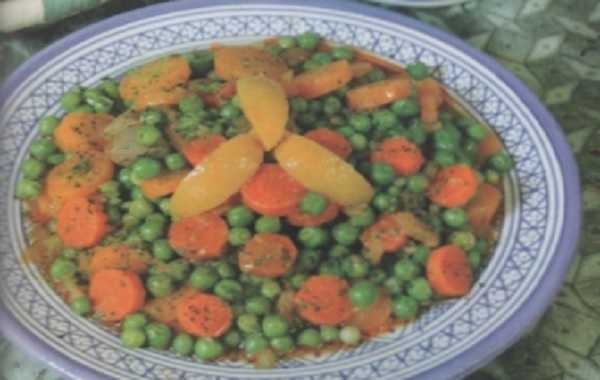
(321, 171)
(265, 105)
(218, 176)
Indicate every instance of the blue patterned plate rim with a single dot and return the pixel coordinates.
(474, 356)
(419, 3)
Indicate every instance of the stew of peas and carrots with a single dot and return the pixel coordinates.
(261, 201)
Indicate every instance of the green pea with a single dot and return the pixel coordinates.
(238, 236)
(464, 239)
(345, 233)
(329, 334)
(444, 140)
(313, 203)
(203, 278)
(267, 224)
(140, 208)
(282, 344)
(258, 305)
(492, 176)
(313, 237)
(308, 260)
(360, 122)
(81, 305)
(341, 52)
(382, 201)
(133, 338)
(406, 270)
(474, 259)
(417, 133)
(418, 70)
(385, 119)
(42, 148)
(32, 168)
(191, 104)
(350, 335)
(161, 249)
(145, 168)
(364, 219)
(286, 42)
(477, 131)
(406, 107)
(150, 231)
(298, 105)
(274, 326)
(158, 334)
(183, 344)
(309, 338)
(405, 307)
(178, 269)
(47, 125)
(230, 111)
(62, 268)
(501, 162)
(454, 217)
(70, 253)
(228, 289)
(55, 158)
(174, 161)
(363, 293)
(420, 289)
(333, 267)
(355, 266)
(208, 349)
(84, 108)
(376, 75)
(378, 276)
(99, 102)
(159, 285)
(71, 100)
(444, 157)
(270, 289)
(421, 254)
(135, 321)
(110, 87)
(308, 40)
(332, 105)
(297, 280)
(393, 285)
(240, 216)
(254, 343)
(232, 339)
(347, 132)
(164, 206)
(153, 116)
(124, 177)
(417, 183)
(382, 173)
(321, 58)
(310, 65)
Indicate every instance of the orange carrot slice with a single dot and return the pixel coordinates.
(453, 186)
(159, 97)
(482, 209)
(323, 300)
(373, 95)
(323, 80)
(203, 315)
(449, 271)
(271, 191)
(199, 237)
(268, 255)
(162, 74)
(196, 150)
(119, 257)
(404, 156)
(116, 293)
(81, 131)
(331, 140)
(81, 223)
(163, 184)
(376, 318)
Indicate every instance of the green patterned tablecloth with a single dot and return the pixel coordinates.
(554, 47)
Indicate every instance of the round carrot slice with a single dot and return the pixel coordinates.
(116, 293)
(81, 223)
(449, 271)
(331, 140)
(196, 150)
(375, 318)
(299, 219)
(272, 191)
(268, 255)
(385, 232)
(119, 257)
(453, 186)
(199, 237)
(323, 300)
(79, 176)
(81, 131)
(404, 156)
(203, 315)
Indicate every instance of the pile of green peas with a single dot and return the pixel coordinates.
(333, 248)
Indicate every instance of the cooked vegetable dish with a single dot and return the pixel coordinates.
(256, 202)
